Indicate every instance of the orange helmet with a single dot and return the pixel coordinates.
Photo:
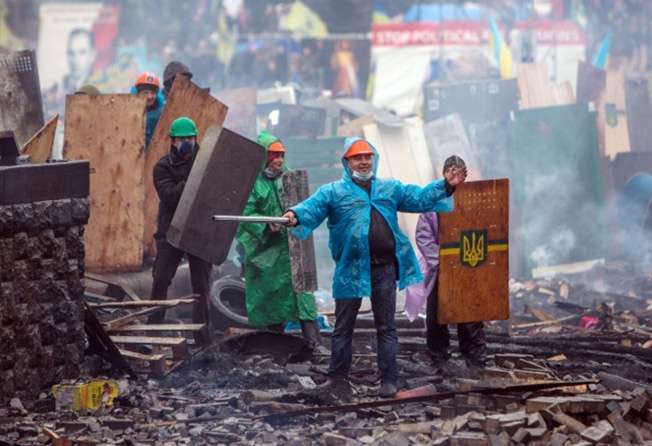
(147, 78)
(276, 146)
(360, 147)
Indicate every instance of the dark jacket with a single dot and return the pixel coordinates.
(382, 244)
(170, 175)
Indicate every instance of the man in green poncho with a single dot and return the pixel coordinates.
(271, 299)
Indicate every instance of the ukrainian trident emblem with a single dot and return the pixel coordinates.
(474, 247)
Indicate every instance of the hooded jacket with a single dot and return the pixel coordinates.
(269, 292)
(170, 175)
(347, 207)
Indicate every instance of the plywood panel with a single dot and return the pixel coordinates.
(473, 256)
(39, 146)
(185, 99)
(639, 114)
(534, 87)
(242, 110)
(302, 252)
(612, 116)
(237, 161)
(109, 131)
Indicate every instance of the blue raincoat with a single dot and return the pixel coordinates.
(348, 209)
(153, 115)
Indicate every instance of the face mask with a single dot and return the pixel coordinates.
(363, 176)
(271, 173)
(186, 149)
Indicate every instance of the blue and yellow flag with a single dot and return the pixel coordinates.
(502, 53)
(601, 59)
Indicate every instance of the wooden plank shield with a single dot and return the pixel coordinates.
(220, 182)
(185, 99)
(109, 131)
(302, 252)
(474, 255)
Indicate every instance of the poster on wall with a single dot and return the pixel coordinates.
(75, 44)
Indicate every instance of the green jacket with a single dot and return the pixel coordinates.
(270, 296)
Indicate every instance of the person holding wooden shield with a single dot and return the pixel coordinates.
(170, 175)
(470, 335)
(270, 296)
(370, 251)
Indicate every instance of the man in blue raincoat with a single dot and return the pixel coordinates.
(370, 251)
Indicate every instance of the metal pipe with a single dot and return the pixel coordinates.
(252, 219)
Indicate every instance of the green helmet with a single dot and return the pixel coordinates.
(183, 127)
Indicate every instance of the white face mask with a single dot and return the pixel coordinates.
(363, 176)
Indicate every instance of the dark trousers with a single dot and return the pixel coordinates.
(470, 335)
(165, 267)
(383, 305)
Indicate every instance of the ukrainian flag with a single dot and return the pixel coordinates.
(502, 53)
(601, 58)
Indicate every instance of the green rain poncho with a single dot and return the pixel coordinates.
(270, 296)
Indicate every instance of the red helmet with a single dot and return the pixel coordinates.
(147, 78)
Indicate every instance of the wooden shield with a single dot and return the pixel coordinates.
(219, 183)
(473, 254)
(109, 131)
(302, 252)
(185, 99)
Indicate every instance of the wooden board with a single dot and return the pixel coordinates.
(639, 114)
(185, 99)
(179, 346)
(39, 146)
(109, 131)
(242, 110)
(474, 254)
(612, 116)
(151, 340)
(302, 252)
(144, 303)
(534, 86)
(238, 161)
(158, 327)
(100, 342)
